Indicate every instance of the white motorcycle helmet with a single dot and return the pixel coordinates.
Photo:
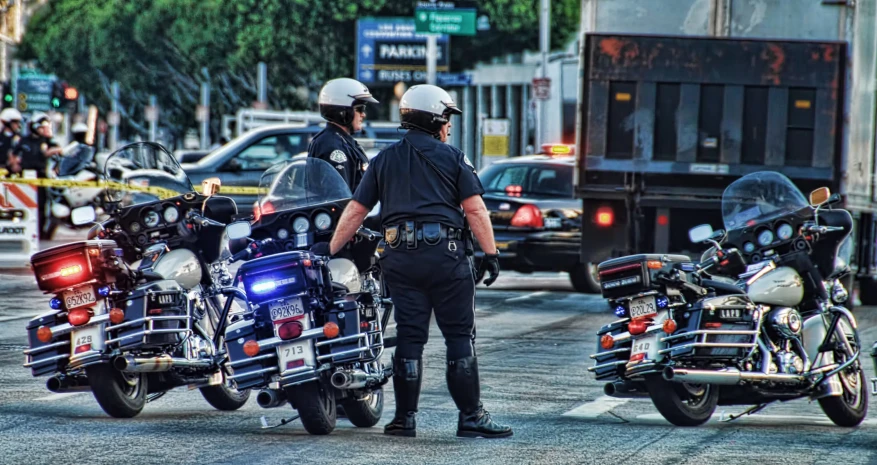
(428, 108)
(79, 128)
(339, 96)
(10, 114)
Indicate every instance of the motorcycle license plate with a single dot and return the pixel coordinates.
(79, 297)
(644, 348)
(644, 306)
(296, 354)
(286, 309)
(84, 340)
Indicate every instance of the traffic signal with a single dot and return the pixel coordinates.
(8, 99)
(57, 94)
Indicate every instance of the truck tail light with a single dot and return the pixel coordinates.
(605, 216)
(528, 216)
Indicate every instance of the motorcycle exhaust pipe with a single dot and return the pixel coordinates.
(61, 384)
(270, 398)
(352, 379)
(623, 389)
(726, 377)
(163, 362)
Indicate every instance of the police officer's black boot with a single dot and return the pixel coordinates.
(407, 378)
(465, 388)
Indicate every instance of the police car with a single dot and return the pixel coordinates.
(536, 219)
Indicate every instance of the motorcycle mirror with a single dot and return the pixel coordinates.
(700, 233)
(83, 215)
(819, 196)
(238, 230)
(210, 186)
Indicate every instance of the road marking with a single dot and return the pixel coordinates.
(525, 297)
(813, 420)
(59, 396)
(596, 407)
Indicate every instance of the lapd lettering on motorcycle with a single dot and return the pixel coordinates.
(79, 297)
(644, 306)
(732, 314)
(286, 309)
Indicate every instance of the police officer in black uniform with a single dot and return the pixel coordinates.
(342, 103)
(10, 118)
(422, 183)
(32, 153)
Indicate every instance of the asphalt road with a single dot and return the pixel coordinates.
(534, 338)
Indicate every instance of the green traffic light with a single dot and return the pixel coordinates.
(7, 98)
(56, 102)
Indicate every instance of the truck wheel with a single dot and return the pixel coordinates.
(367, 412)
(121, 395)
(585, 279)
(683, 404)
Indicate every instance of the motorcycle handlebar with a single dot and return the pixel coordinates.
(248, 252)
(202, 221)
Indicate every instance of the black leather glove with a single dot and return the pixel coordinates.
(321, 248)
(489, 263)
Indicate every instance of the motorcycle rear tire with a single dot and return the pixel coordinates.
(367, 412)
(839, 410)
(222, 397)
(668, 399)
(316, 406)
(117, 396)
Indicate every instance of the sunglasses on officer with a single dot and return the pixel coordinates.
(359, 108)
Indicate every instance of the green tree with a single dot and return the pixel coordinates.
(169, 47)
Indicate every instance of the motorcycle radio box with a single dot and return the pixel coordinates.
(70, 265)
(625, 276)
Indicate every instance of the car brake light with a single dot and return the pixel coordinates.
(289, 330)
(605, 216)
(79, 316)
(528, 216)
(265, 209)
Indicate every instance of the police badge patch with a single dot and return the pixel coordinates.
(468, 163)
(338, 156)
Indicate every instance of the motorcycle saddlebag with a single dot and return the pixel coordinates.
(45, 358)
(346, 315)
(284, 274)
(248, 371)
(156, 315)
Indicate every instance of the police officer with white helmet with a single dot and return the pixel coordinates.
(10, 134)
(342, 102)
(424, 186)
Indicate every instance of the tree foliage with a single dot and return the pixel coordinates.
(168, 48)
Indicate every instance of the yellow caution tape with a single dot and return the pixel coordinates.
(159, 191)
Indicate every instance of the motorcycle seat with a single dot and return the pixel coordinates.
(721, 287)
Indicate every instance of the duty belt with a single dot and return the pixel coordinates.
(411, 233)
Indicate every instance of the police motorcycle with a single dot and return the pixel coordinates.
(315, 334)
(760, 319)
(136, 307)
(76, 164)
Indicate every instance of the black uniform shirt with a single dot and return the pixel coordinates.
(342, 151)
(7, 143)
(32, 151)
(410, 190)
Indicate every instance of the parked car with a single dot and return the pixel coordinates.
(536, 220)
(190, 156)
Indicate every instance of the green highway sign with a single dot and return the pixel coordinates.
(456, 22)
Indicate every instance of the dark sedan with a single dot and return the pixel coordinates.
(536, 220)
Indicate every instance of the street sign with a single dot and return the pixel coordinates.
(201, 113)
(456, 22)
(35, 92)
(389, 50)
(483, 23)
(541, 88)
(151, 113)
(453, 79)
(495, 138)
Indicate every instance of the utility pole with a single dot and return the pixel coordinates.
(114, 117)
(263, 83)
(431, 57)
(205, 115)
(544, 46)
(153, 121)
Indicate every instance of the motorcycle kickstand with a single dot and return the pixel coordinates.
(749, 411)
(265, 424)
(154, 397)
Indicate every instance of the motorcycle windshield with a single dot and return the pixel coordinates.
(759, 197)
(300, 183)
(144, 172)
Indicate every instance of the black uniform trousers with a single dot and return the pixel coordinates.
(426, 279)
